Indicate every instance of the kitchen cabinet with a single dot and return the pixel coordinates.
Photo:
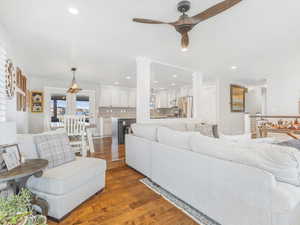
(106, 96)
(123, 96)
(117, 96)
(132, 98)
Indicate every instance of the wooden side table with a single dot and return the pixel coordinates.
(19, 176)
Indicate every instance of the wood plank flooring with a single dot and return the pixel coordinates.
(125, 200)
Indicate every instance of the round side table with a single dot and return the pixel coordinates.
(19, 176)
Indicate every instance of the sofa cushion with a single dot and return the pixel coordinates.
(178, 126)
(174, 138)
(147, 131)
(282, 162)
(68, 177)
(55, 147)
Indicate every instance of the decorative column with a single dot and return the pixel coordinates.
(197, 92)
(143, 77)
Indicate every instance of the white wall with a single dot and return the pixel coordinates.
(21, 118)
(283, 94)
(229, 123)
(254, 100)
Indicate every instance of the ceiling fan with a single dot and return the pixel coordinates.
(186, 23)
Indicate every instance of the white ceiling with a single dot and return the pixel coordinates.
(257, 36)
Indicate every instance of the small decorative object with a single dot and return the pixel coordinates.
(237, 98)
(10, 78)
(37, 102)
(11, 156)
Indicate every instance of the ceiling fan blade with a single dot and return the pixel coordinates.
(185, 41)
(214, 10)
(140, 20)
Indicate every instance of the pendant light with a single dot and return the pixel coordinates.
(74, 88)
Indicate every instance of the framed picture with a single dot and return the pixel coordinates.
(10, 157)
(237, 98)
(37, 102)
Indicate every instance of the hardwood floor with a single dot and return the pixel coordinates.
(125, 200)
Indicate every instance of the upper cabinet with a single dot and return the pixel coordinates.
(106, 96)
(132, 98)
(112, 96)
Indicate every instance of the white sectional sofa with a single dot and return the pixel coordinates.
(66, 186)
(235, 183)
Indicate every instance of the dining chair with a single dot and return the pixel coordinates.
(76, 131)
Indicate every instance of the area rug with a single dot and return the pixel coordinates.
(195, 214)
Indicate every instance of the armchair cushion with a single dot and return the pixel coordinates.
(55, 147)
(68, 177)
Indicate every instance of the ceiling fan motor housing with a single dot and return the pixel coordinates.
(184, 6)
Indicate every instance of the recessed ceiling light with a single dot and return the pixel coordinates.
(116, 83)
(73, 11)
(173, 84)
(175, 75)
(234, 67)
(128, 77)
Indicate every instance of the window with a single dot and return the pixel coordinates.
(2, 84)
(58, 107)
(83, 106)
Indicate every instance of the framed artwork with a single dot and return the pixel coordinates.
(37, 102)
(237, 98)
(10, 157)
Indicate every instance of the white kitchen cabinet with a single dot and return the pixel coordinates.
(106, 96)
(115, 97)
(132, 98)
(123, 96)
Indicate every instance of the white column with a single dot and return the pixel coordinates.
(197, 92)
(143, 77)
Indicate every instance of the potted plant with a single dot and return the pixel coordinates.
(17, 210)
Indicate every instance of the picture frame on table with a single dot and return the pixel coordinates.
(10, 157)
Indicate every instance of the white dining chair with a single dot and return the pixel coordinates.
(76, 131)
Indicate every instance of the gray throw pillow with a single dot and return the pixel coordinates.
(55, 148)
(291, 143)
(210, 130)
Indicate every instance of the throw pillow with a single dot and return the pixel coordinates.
(208, 130)
(291, 143)
(55, 148)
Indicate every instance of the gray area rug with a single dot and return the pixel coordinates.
(196, 215)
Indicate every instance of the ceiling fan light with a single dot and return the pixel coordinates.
(184, 49)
